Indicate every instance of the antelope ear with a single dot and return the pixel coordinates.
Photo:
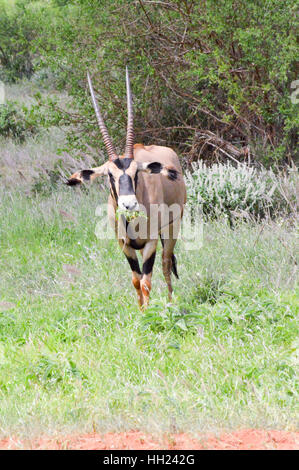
(156, 168)
(87, 175)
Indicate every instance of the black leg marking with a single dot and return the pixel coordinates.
(174, 266)
(148, 264)
(173, 260)
(134, 265)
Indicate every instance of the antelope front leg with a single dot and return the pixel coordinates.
(168, 260)
(131, 256)
(136, 283)
(148, 258)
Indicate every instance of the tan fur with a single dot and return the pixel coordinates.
(158, 189)
(149, 179)
(166, 187)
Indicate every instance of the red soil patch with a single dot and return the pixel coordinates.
(249, 439)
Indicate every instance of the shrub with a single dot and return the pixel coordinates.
(241, 191)
(13, 122)
(211, 78)
(162, 318)
(45, 78)
(17, 30)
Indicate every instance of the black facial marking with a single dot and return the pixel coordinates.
(123, 163)
(113, 188)
(125, 181)
(155, 167)
(134, 265)
(136, 179)
(172, 174)
(125, 185)
(148, 264)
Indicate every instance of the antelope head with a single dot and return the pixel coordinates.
(122, 170)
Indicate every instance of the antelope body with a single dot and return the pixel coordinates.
(147, 177)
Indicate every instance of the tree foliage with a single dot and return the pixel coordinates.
(212, 79)
(17, 31)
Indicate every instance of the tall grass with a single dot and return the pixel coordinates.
(40, 161)
(77, 354)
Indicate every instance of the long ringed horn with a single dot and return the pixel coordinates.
(130, 125)
(107, 141)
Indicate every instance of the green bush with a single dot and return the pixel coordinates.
(241, 191)
(45, 78)
(160, 317)
(17, 31)
(13, 123)
(211, 78)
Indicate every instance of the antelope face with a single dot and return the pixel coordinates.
(122, 173)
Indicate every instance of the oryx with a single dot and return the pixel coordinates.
(149, 176)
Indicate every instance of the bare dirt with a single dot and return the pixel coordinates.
(249, 439)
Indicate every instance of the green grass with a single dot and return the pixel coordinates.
(77, 354)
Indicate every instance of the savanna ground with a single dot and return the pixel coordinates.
(77, 356)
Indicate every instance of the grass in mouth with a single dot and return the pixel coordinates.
(129, 215)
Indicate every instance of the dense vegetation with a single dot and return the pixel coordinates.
(77, 354)
(211, 78)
